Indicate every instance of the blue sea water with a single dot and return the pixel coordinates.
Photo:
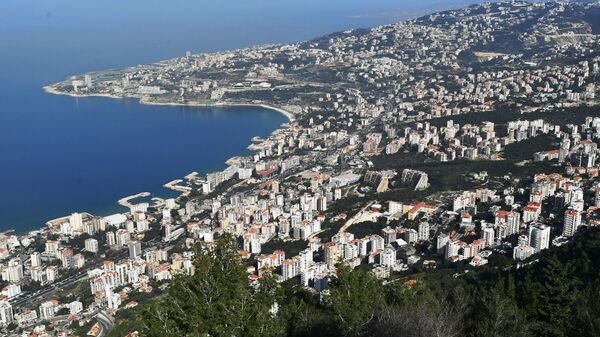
(60, 154)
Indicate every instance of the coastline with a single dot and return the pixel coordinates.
(288, 114)
(124, 202)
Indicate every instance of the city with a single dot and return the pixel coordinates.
(462, 138)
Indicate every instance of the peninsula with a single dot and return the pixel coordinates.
(458, 150)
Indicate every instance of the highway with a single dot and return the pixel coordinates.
(31, 298)
(82, 275)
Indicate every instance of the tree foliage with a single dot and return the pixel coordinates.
(217, 300)
(557, 295)
(355, 298)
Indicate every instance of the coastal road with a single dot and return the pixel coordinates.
(33, 297)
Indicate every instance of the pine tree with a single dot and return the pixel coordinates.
(217, 301)
(355, 298)
(496, 314)
(554, 310)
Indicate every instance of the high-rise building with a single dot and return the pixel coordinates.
(423, 231)
(76, 221)
(51, 274)
(87, 79)
(321, 203)
(453, 249)
(6, 313)
(389, 234)
(48, 309)
(488, 236)
(110, 239)
(571, 223)
(52, 247)
(66, 258)
(289, 269)
(91, 245)
(166, 231)
(36, 259)
(388, 257)
(142, 225)
(539, 237)
(337, 194)
(275, 186)
(13, 272)
(441, 242)
(123, 237)
(332, 253)
(135, 249)
(411, 235)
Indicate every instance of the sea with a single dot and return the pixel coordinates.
(61, 154)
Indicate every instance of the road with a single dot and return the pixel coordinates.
(106, 323)
(357, 218)
(33, 297)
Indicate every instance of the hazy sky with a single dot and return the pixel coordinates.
(171, 27)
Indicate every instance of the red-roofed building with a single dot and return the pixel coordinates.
(421, 208)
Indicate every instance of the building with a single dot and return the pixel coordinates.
(6, 313)
(539, 237)
(421, 208)
(36, 260)
(91, 245)
(75, 307)
(110, 239)
(571, 223)
(76, 221)
(333, 254)
(344, 179)
(441, 242)
(411, 235)
(522, 252)
(423, 231)
(135, 249)
(12, 290)
(26, 317)
(123, 237)
(48, 309)
(488, 236)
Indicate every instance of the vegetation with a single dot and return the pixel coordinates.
(452, 175)
(524, 150)
(291, 248)
(555, 295)
(365, 228)
(503, 115)
(216, 301)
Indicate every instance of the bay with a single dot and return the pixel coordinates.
(60, 154)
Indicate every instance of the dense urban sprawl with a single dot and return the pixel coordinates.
(454, 138)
